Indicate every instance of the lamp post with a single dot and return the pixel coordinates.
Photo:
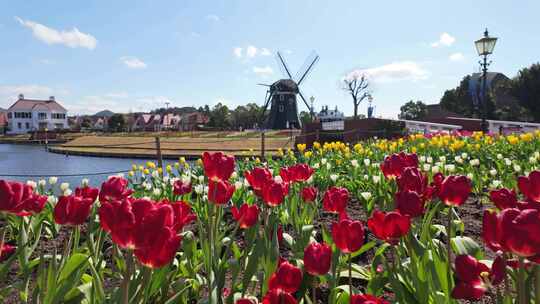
(311, 111)
(485, 47)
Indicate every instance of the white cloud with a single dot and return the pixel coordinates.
(251, 51)
(396, 71)
(265, 52)
(263, 71)
(444, 40)
(237, 51)
(213, 17)
(72, 38)
(133, 62)
(47, 61)
(457, 57)
(117, 95)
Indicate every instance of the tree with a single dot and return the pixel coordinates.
(305, 117)
(459, 99)
(357, 85)
(219, 117)
(526, 88)
(413, 110)
(117, 123)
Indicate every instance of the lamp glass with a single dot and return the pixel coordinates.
(485, 46)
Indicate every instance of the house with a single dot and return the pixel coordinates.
(170, 121)
(3, 121)
(190, 121)
(27, 115)
(331, 119)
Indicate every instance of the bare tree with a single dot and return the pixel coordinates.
(357, 85)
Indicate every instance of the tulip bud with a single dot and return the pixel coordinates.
(42, 183)
(64, 186)
(85, 182)
(53, 180)
(31, 183)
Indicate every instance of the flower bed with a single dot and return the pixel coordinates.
(377, 222)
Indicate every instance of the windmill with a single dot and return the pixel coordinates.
(281, 95)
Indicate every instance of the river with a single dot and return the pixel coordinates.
(25, 162)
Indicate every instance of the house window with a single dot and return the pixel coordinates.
(23, 114)
(58, 115)
(42, 116)
(281, 108)
(58, 126)
(9, 115)
(281, 97)
(19, 125)
(28, 125)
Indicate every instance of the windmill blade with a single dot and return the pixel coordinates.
(284, 66)
(266, 105)
(308, 65)
(305, 101)
(264, 84)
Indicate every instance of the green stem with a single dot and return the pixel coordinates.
(76, 238)
(537, 284)
(127, 277)
(314, 290)
(521, 281)
(350, 275)
(449, 250)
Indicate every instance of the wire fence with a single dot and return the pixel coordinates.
(66, 175)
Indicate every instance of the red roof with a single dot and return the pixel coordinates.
(31, 104)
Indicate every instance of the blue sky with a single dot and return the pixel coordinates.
(136, 55)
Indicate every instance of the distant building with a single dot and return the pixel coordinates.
(331, 119)
(27, 115)
(3, 121)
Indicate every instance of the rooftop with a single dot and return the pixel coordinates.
(25, 104)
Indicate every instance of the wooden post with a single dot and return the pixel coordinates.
(317, 135)
(158, 153)
(262, 144)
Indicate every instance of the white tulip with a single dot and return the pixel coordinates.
(205, 189)
(31, 183)
(367, 161)
(442, 159)
(201, 179)
(422, 159)
(85, 182)
(474, 162)
(334, 177)
(42, 183)
(64, 186)
(496, 183)
(316, 166)
(186, 179)
(166, 179)
(278, 179)
(429, 160)
(376, 179)
(310, 180)
(366, 195)
(507, 162)
(155, 174)
(323, 161)
(517, 168)
(238, 184)
(156, 192)
(426, 167)
(148, 186)
(458, 159)
(493, 172)
(51, 199)
(435, 169)
(470, 176)
(328, 166)
(532, 160)
(464, 155)
(366, 177)
(499, 156)
(234, 175)
(450, 168)
(354, 163)
(537, 154)
(53, 180)
(67, 192)
(198, 189)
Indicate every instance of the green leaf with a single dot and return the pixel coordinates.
(74, 263)
(466, 245)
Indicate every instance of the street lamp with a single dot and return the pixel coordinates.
(311, 111)
(485, 47)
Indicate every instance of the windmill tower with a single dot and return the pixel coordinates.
(281, 96)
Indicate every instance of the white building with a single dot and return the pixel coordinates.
(331, 119)
(27, 115)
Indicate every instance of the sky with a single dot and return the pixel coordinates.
(131, 56)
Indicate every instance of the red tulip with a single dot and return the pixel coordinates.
(246, 216)
(287, 174)
(513, 230)
(277, 296)
(367, 299)
(393, 165)
(220, 192)
(348, 235)
(435, 187)
(504, 198)
(120, 218)
(155, 239)
(183, 215)
(257, 178)
(389, 227)
(474, 277)
(20, 199)
(274, 192)
(412, 179)
(287, 278)
(455, 190)
(300, 172)
(87, 192)
(6, 250)
(180, 188)
(335, 199)
(115, 188)
(317, 258)
(410, 203)
(217, 166)
(309, 194)
(73, 210)
(530, 186)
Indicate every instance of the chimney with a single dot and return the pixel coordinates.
(21, 96)
(51, 98)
